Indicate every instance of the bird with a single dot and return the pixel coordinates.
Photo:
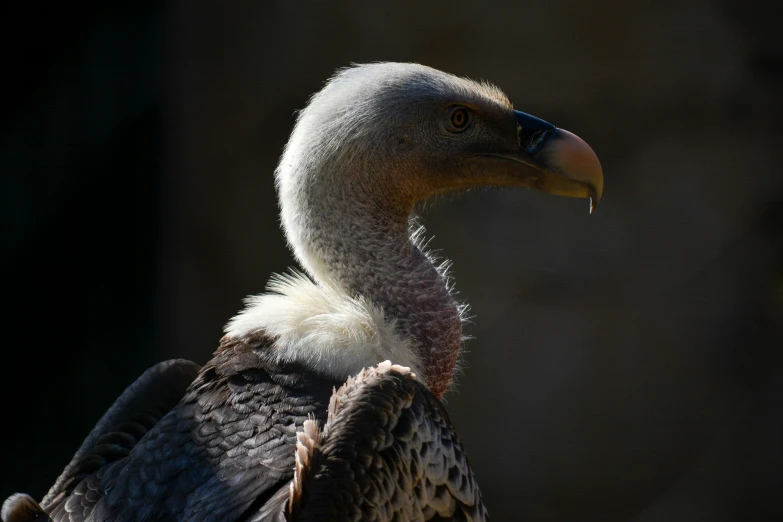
(323, 398)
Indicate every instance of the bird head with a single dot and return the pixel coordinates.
(393, 134)
(369, 146)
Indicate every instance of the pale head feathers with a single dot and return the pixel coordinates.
(368, 147)
(355, 124)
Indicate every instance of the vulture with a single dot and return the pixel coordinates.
(322, 400)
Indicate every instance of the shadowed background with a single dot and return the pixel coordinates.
(625, 366)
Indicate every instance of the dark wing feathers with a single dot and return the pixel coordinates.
(220, 444)
(222, 452)
(389, 452)
(272, 509)
(139, 407)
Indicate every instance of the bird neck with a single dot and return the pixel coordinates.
(366, 249)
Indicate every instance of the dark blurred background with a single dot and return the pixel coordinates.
(625, 366)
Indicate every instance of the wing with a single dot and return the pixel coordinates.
(222, 452)
(131, 416)
(388, 452)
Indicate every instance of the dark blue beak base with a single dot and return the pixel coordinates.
(532, 132)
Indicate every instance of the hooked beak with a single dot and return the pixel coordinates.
(553, 160)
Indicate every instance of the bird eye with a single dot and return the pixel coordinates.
(460, 117)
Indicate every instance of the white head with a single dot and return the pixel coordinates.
(376, 140)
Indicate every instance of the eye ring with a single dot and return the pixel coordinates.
(459, 119)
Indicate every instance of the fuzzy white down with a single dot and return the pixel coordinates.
(321, 327)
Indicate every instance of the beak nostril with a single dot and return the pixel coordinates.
(536, 140)
(532, 132)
